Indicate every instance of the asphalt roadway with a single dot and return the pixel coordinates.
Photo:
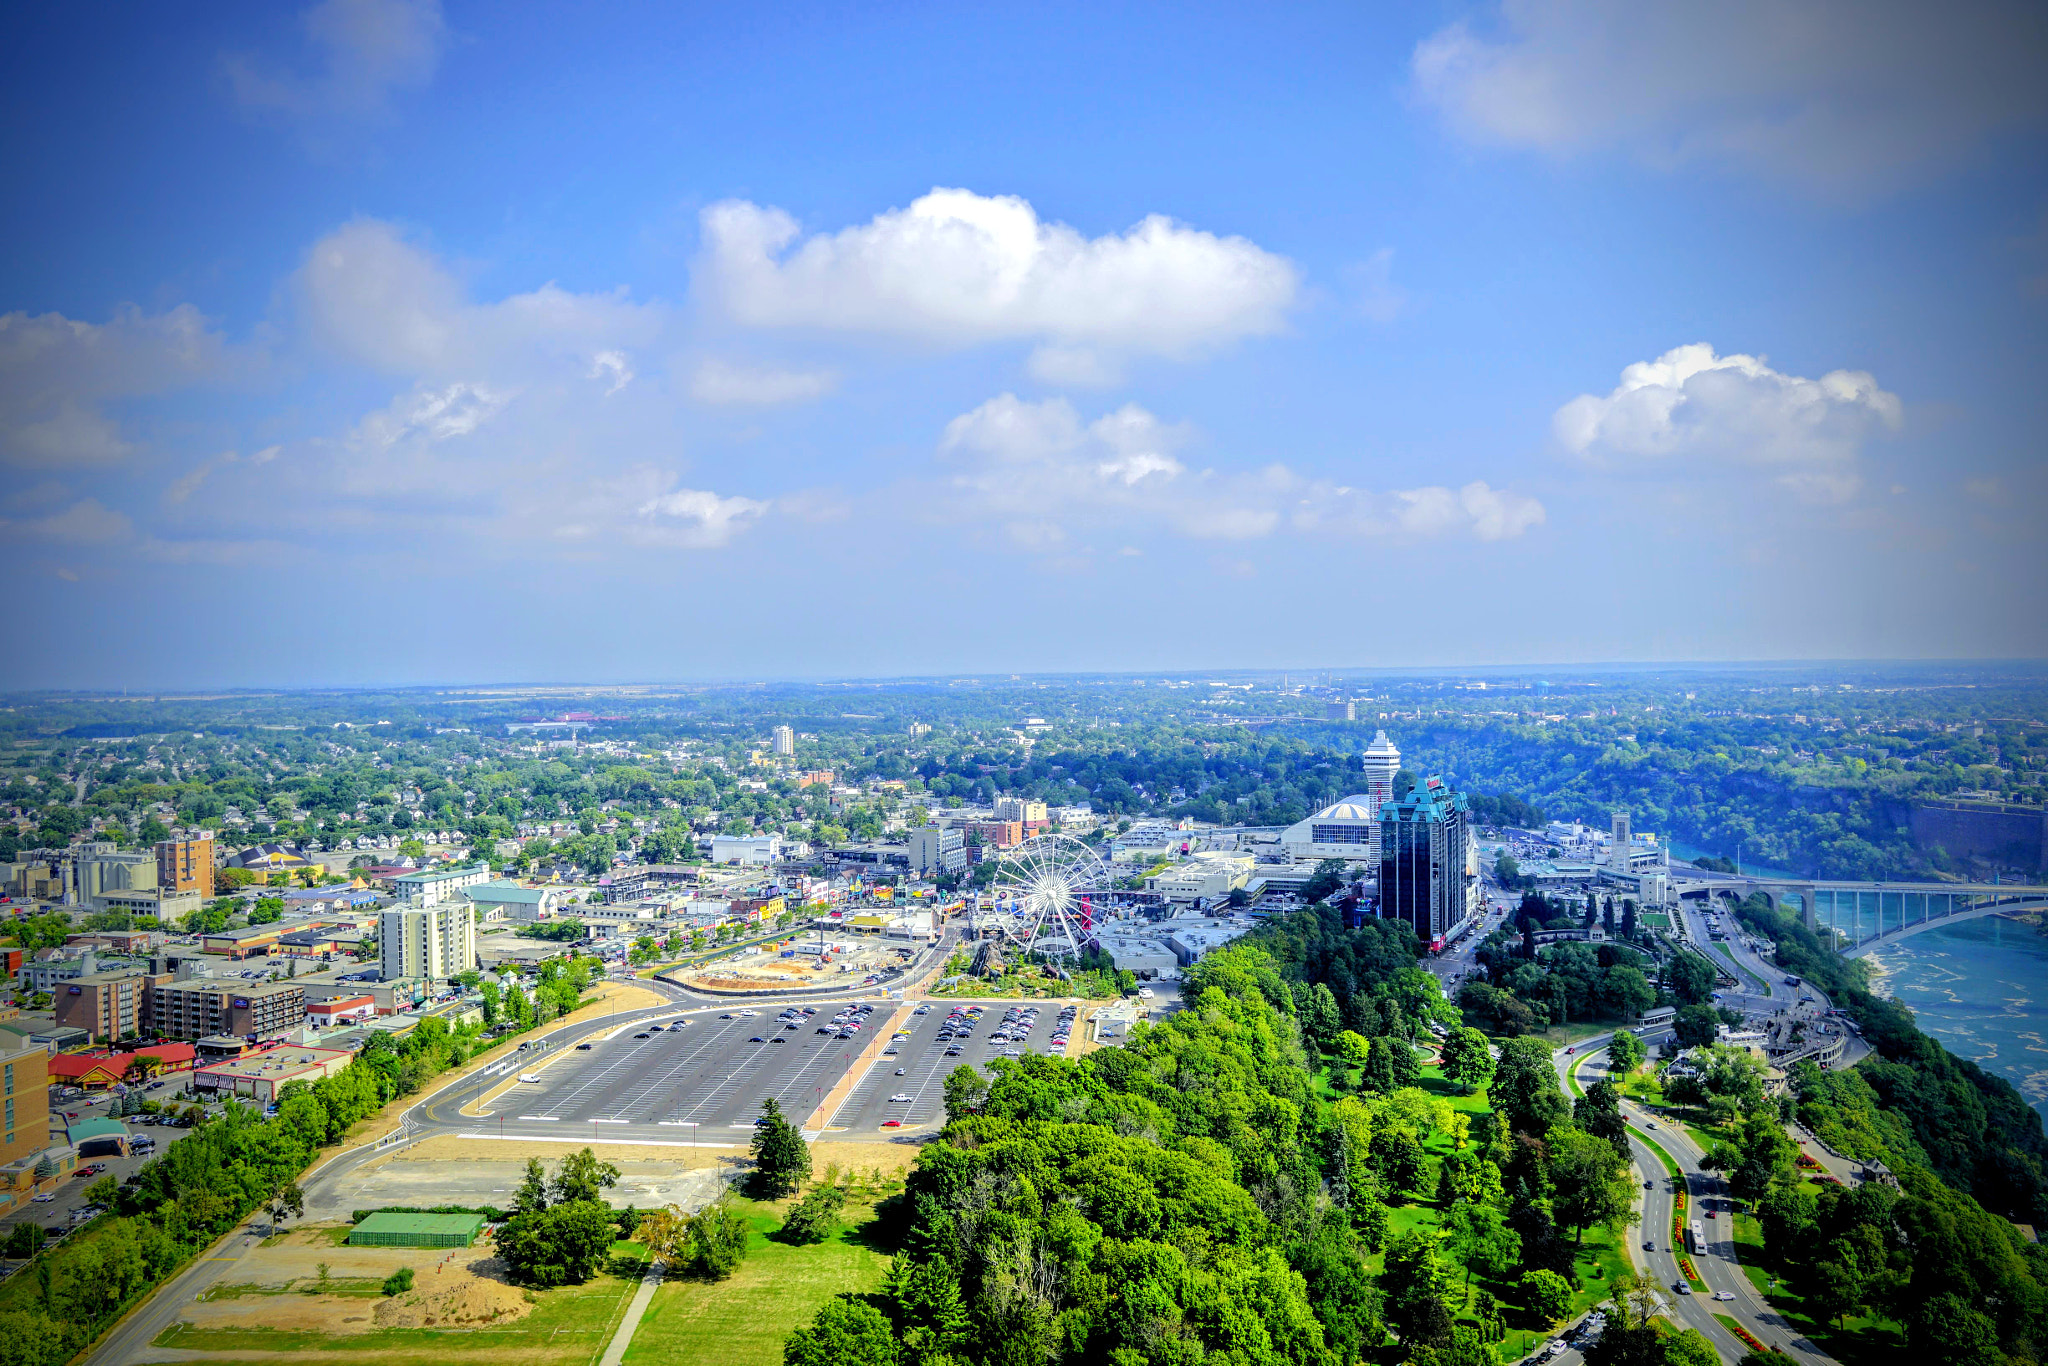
(1716, 1263)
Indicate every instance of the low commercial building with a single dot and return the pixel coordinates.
(253, 942)
(750, 850)
(99, 1137)
(260, 1076)
(89, 1071)
(1206, 877)
(166, 905)
(318, 942)
(517, 902)
(340, 1010)
(417, 1230)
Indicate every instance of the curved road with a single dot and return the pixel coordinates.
(1717, 1264)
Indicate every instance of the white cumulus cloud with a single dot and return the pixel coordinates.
(1042, 474)
(697, 519)
(435, 414)
(1693, 406)
(1841, 94)
(384, 302)
(57, 375)
(956, 268)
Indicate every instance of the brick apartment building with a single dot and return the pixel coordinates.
(24, 1101)
(186, 865)
(199, 1009)
(106, 1005)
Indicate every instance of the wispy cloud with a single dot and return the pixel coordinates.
(365, 50)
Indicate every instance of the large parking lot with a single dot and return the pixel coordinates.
(701, 1079)
(920, 1064)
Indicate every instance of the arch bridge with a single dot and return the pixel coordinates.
(1868, 915)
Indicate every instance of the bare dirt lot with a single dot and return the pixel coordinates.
(282, 1288)
(768, 971)
(448, 1170)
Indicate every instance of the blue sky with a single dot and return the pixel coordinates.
(564, 342)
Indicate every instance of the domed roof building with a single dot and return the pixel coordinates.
(1348, 830)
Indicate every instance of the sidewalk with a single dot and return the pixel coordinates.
(615, 1352)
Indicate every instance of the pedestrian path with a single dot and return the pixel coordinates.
(623, 1338)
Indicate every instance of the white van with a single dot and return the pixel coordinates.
(530, 1076)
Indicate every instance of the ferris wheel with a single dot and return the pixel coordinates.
(1052, 885)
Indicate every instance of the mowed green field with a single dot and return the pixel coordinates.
(742, 1321)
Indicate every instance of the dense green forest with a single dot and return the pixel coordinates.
(1271, 1175)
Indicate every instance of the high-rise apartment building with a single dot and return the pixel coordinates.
(1429, 872)
(186, 865)
(937, 849)
(106, 1005)
(24, 1100)
(1347, 710)
(785, 741)
(431, 942)
(197, 1008)
(1020, 809)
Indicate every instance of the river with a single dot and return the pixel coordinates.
(1980, 987)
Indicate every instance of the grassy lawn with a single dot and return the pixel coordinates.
(568, 1327)
(1558, 1036)
(1861, 1341)
(1749, 1246)
(1600, 1260)
(742, 1321)
(1434, 1082)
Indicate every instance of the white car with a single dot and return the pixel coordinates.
(1724, 1294)
(899, 1099)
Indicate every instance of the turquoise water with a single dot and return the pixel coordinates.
(1982, 989)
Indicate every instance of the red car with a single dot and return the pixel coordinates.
(892, 1124)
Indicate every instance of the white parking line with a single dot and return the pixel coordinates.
(646, 1101)
(662, 1094)
(629, 1058)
